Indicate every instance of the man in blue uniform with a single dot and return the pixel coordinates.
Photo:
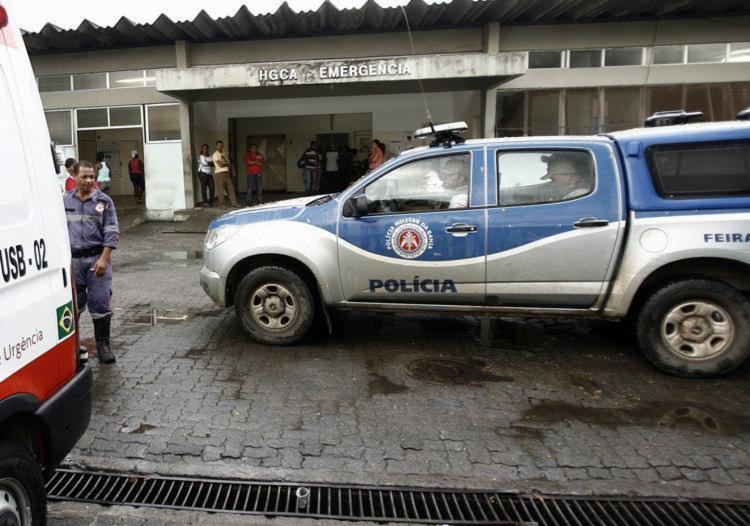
(93, 233)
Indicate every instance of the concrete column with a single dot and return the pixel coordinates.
(491, 37)
(491, 46)
(186, 126)
(181, 48)
(489, 112)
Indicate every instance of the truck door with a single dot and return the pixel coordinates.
(421, 239)
(552, 236)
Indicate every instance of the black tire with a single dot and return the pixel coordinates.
(653, 328)
(290, 291)
(21, 480)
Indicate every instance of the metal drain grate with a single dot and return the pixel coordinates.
(386, 504)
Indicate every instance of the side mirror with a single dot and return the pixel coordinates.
(355, 206)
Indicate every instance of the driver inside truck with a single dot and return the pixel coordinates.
(455, 176)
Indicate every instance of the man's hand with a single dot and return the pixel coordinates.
(100, 266)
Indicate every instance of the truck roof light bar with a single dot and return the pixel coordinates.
(445, 134)
(672, 117)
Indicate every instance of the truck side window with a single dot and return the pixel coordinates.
(701, 169)
(435, 183)
(533, 177)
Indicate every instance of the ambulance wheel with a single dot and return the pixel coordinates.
(22, 494)
(695, 328)
(275, 305)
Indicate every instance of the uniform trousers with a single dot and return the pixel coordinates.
(92, 291)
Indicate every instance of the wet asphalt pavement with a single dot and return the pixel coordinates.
(452, 401)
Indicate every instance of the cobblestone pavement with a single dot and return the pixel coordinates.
(536, 405)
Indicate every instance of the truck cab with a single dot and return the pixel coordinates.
(592, 226)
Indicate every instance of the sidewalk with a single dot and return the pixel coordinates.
(131, 214)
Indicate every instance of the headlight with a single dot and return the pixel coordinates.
(217, 236)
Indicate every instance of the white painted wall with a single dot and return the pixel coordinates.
(165, 188)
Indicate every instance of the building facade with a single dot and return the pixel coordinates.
(347, 77)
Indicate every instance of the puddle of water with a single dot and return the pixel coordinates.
(138, 430)
(184, 231)
(586, 383)
(701, 418)
(380, 384)
(184, 254)
(506, 334)
(452, 372)
(153, 316)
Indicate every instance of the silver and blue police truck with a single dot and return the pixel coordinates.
(650, 225)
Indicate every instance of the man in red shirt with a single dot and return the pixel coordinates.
(254, 161)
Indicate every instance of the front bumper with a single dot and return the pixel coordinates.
(66, 416)
(214, 285)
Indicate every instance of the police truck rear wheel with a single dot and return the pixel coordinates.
(275, 305)
(695, 328)
(22, 494)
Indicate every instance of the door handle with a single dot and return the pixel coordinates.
(589, 222)
(461, 228)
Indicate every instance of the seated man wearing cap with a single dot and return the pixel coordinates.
(568, 175)
(456, 182)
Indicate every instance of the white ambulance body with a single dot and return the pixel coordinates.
(45, 392)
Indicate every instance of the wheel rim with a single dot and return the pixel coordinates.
(697, 330)
(15, 507)
(273, 306)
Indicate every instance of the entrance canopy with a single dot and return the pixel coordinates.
(360, 76)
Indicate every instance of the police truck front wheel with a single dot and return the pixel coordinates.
(695, 328)
(22, 495)
(275, 305)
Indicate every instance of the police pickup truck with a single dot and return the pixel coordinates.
(649, 225)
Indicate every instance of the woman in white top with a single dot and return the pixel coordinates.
(206, 176)
(102, 173)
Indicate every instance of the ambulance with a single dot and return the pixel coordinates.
(45, 388)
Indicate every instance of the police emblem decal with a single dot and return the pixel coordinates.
(409, 238)
(100, 207)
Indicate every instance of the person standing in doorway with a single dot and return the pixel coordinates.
(223, 181)
(102, 173)
(137, 176)
(206, 176)
(311, 165)
(346, 159)
(330, 181)
(93, 233)
(377, 154)
(254, 161)
(70, 178)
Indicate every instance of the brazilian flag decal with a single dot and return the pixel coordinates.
(66, 322)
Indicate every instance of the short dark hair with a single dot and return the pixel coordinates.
(82, 164)
(253, 145)
(99, 156)
(69, 162)
(220, 142)
(204, 144)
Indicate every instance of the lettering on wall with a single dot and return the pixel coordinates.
(337, 70)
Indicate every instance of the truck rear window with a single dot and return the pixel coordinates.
(701, 169)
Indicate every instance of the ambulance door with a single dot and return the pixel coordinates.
(31, 252)
(419, 237)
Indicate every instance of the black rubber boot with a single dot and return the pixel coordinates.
(101, 335)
